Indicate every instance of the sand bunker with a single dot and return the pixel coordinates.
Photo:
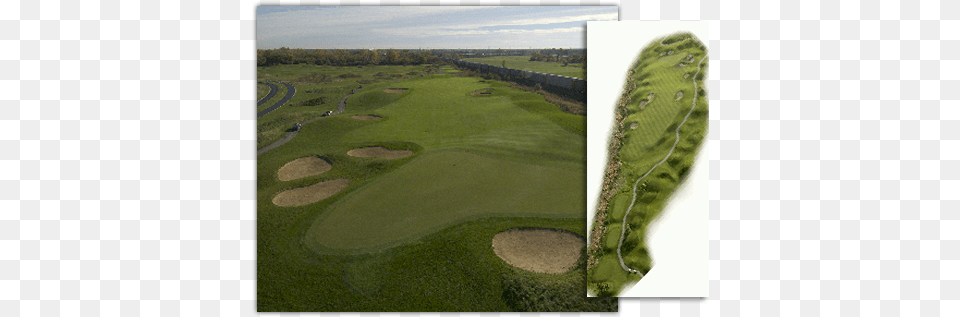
(366, 117)
(679, 95)
(634, 126)
(310, 194)
(643, 103)
(303, 167)
(377, 151)
(539, 250)
(394, 90)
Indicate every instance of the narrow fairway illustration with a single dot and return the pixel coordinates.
(660, 123)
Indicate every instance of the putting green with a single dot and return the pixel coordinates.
(442, 188)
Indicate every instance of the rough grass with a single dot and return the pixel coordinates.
(262, 91)
(340, 82)
(524, 63)
(643, 147)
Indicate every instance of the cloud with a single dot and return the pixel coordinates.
(358, 26)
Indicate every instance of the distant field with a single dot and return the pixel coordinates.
(414, 233)
(648, 129)
(524, 63)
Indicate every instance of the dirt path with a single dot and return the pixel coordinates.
(341, 106)
(273, 91)
(623, 227)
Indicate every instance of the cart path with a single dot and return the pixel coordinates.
(273, 91)
(290, 92)
(623, 226)
(341, 106)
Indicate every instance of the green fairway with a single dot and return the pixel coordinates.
(442, 188)
(414, 233)
(524, 63)
(657, 99)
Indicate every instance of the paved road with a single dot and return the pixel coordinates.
(273, 91)
(341, 106)
(290, 92)
(623, 227)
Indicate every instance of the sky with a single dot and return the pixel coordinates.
(351, 27)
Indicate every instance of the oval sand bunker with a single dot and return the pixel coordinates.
(539, 250)
(310, 194)
(365, 117)
(303, 167)
(377, 151)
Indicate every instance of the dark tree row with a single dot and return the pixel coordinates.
(342, 57)
(558, 55)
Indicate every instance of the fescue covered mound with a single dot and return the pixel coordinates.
(303, 167)
(539, 250)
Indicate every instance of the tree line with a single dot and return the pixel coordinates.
(557, 55)
(342, 57)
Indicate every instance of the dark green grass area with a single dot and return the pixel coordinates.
(415, 233)
(659, 70)
(524, 63)
(318, 90)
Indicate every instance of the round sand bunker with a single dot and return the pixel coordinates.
(303, 167)
(310, 194)
(381, 152)
(539, 250)
(366, 117)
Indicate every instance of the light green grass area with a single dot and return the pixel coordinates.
(659, 70)
(441, 188)
(524, 63)
(414, 233)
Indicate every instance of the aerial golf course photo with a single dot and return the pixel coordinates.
(418, 194)
(659, 124)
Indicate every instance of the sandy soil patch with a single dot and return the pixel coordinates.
(303, 167)
(310, 194)
(539, 250)
(366, 117)
(394, 90)
(381, 152)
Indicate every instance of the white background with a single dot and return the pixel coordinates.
(677, 240)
